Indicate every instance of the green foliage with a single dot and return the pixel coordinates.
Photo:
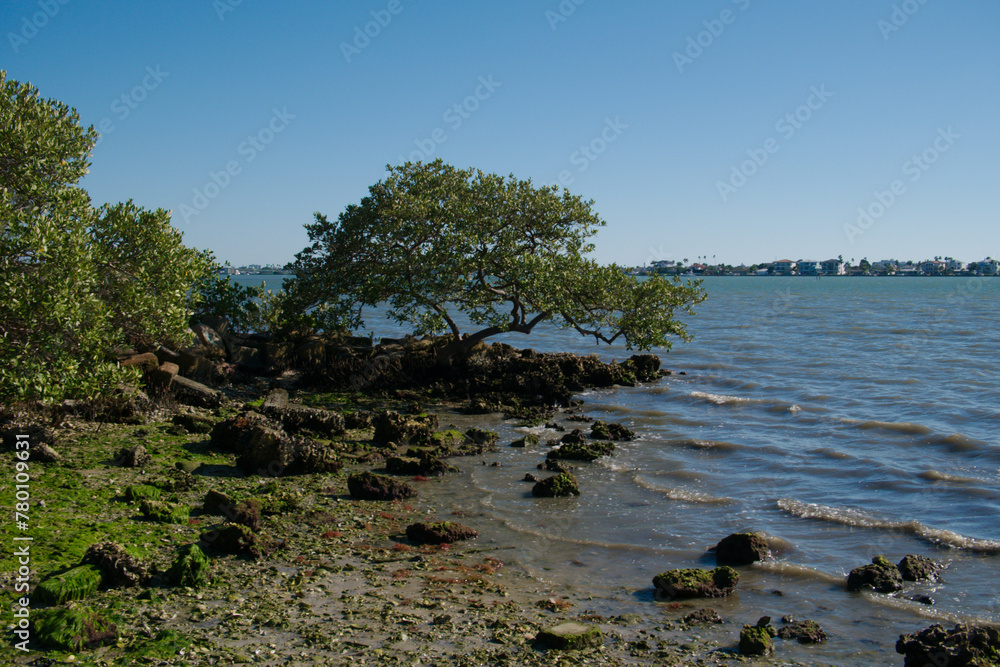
(431, 239)
(76, 282)
(249, 308)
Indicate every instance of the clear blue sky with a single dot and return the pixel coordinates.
(182, 86)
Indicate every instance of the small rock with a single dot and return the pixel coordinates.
(190, 567)
(806, 632)
(558, 486)
(217, 502)
(74, 584)
(570, 636)
(881, 575)
(369, 486)
(72, 629)
(919, 568)
(696, 583)
(132, 457)
(117, 566)
(445, 532)
(703, 616)
(757, 639)
(741, 549)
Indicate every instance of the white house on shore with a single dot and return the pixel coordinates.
(784, 267)
(833, 267)
(810, 268)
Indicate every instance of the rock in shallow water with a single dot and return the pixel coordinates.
(881, 575)
(695, 583)
(965, 645)
(741, 549)
(570, 636)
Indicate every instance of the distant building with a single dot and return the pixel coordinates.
(887, 266)
(784, 267)
(932, 267)
(952, 264)
(989, 267)
(834, 267)
(810, 268)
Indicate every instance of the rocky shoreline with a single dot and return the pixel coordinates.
(259, 502)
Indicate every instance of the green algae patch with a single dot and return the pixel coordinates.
(139, 492)
(447, 439)
(570, 637)
(75, 584)
(190, 568)
(162, 512)
(73, 629)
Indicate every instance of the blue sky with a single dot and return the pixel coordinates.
(741, 130)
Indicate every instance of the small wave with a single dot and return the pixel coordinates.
(723, 399)
(899, 427)
(831, 453)
(938, 476)
(682, 494)
(857, 518)
(957, 442)
(787, 569)
(695, 443)
(922, 610)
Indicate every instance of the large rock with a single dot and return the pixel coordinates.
(965, 645)
(741, 549)
(118, 567)
(190, 392)
(263, 448)
(298, 418)
(696, 583)
(881, 576)
(919, 568)
(394, 428)
(444, 532)
(570, 636)
(369, 486)
(558, 486)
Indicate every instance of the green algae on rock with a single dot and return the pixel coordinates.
(557, 486)
(582, 451)
(696, 583)
(369, 486)
(162, 512)
(137, 492)
(73, 629)
(190, 568)
(74, 584)
(570, 636)
(757, 639)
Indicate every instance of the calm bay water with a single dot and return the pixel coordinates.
(843, 417)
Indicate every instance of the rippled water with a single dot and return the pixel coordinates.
(843, 417)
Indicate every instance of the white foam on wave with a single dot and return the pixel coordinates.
(784, 568)
(682, 494)
(859, 519)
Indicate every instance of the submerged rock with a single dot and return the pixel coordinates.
(73, 629)
(695, 583)
(741, 549)
(190, 568)
(919, 568)
(444, 532)
(118, 567)
(570, 636)
(528, 440)
(369, 486)
(587, 451)
(74, 584)
(558, 486)
(601, 431)
(703, 616)
(806, 632)
(881, 575)
(965, 645)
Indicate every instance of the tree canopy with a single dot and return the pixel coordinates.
(431, 240)
(75, 281)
